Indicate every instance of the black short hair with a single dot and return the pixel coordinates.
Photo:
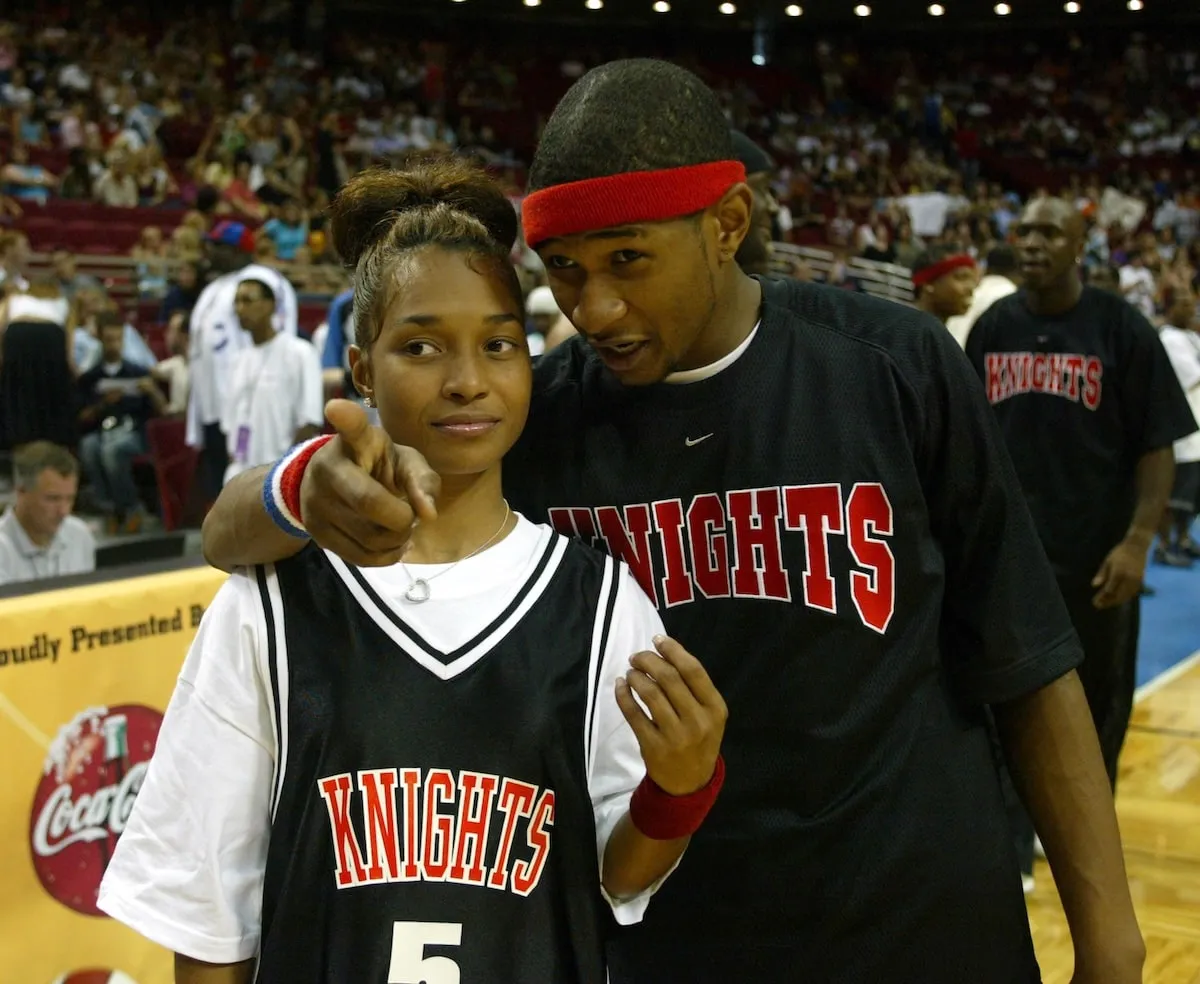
(637, 114)
(267, 293)
(1002, 260)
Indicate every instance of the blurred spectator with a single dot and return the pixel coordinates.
(25, 181)
(90, 305)
(39, 538)
(239, 196)
(1137, 283)
(117, 187)
(542, 312)
(154, 180)
(275, 393)
(70, 280)
(116, 398)
(173, 370)
(150, 256)
(289, 231)
(77, 182)
(182, 291)
(36, 372)
(1181, 338)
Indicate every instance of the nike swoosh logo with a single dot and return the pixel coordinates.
(692, 442)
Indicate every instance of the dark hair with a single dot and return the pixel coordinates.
(934, 255)
(382, 215)
(267, 293)
(109, 319)
(638, 114)
(1002, 260)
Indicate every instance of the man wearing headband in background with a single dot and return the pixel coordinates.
(810, 485)
(215, 336)
(999, 280)
(944, 280)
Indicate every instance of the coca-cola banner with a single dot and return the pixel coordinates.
(85, 675)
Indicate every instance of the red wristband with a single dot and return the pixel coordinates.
(292, 474)
(661, 816)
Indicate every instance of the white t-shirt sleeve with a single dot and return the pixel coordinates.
(1184, 355)
(188, 870)
(614, 759)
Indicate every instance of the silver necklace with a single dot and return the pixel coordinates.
(418, 587)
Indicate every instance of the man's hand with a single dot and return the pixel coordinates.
(681, 737)
(362, 494)
(1120, 576)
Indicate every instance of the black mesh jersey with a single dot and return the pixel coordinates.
(1080, 398)
(432, 820)
(832, 525)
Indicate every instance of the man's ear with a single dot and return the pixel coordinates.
(732, 216)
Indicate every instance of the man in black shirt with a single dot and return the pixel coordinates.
(809, 484)
(1089, 406)
(117, 398)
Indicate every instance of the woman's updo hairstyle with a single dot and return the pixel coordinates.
(383, 215)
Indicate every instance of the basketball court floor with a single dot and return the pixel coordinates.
(1158, 796)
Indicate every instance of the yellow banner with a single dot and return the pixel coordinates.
(85, 675)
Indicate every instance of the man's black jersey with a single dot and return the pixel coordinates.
(832, 525)
(1080, 398)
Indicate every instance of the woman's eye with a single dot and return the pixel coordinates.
(419, 348)
(503, 345)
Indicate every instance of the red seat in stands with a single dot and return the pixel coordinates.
(174, 466)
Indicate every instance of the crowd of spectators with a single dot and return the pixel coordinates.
(882, 151)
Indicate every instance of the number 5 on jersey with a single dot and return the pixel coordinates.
(410, 965)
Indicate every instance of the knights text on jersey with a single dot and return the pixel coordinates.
(435, 790)
(832, 525)
(1080, 397)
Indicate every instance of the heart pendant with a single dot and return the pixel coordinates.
(418, 591)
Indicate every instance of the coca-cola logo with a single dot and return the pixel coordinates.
(94, 769)
(94, 977)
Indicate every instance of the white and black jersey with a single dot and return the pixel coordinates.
(356, 788)
(831, 524)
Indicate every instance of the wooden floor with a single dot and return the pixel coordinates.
(1158, 803)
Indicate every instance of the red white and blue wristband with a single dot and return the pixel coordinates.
(281, 490)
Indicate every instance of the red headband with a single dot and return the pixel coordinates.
(929, 274)
(623, 199)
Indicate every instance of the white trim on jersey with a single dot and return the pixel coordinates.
(530, 586)
(277, 666)
(604, 607)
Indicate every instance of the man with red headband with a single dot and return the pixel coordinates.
(810, 485)
(944, 281)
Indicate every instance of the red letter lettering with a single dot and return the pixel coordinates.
(516, 801)
(379, 821)
(1094, 370)
(1073, 366)
(754, 517)
(526, 876)
(337, 792)
(817, 510)
(874, 593)
(573, 522)
(438, 829)
(410, 783)
(710, 553)
(473, 824)
(677, 585)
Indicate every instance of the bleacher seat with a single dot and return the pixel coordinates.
(174, 466)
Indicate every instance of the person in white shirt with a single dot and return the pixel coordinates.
(458, 668)
(39, 537)
(1137, 284)
(1181, 338)
(215, 337)
(174, 370)
(275, 397)
(999, 280)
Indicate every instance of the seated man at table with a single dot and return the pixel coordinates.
(39, 537)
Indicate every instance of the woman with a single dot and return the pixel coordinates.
(37, 372)
(359, 765)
